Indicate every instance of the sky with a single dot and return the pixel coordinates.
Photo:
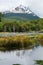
(35, 5)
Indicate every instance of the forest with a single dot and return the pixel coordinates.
(12, 25)
(21, 26)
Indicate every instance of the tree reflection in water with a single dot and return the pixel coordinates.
(18, 53)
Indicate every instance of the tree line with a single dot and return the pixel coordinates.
(20, 26)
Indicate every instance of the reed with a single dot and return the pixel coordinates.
(20, 42)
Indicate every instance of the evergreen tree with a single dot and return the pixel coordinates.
(1, 15)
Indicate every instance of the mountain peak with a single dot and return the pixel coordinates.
(21, 9)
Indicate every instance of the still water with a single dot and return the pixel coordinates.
(22, 57)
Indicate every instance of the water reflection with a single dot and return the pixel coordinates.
(16, 64)
(23, 57)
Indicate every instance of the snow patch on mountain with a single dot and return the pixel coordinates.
(20, 9)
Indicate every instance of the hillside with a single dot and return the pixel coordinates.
(20, 16)
(20, 13)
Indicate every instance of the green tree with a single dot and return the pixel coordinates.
(1, 15)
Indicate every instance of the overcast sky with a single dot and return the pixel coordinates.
(35, 5)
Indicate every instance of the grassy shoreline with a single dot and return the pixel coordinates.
(20, 42)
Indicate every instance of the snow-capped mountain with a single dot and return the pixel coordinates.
(20, 13)
(21, 9)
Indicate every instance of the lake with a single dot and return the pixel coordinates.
(22, 57)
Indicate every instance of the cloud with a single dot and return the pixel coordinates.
(8, 4)
(35, 5)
